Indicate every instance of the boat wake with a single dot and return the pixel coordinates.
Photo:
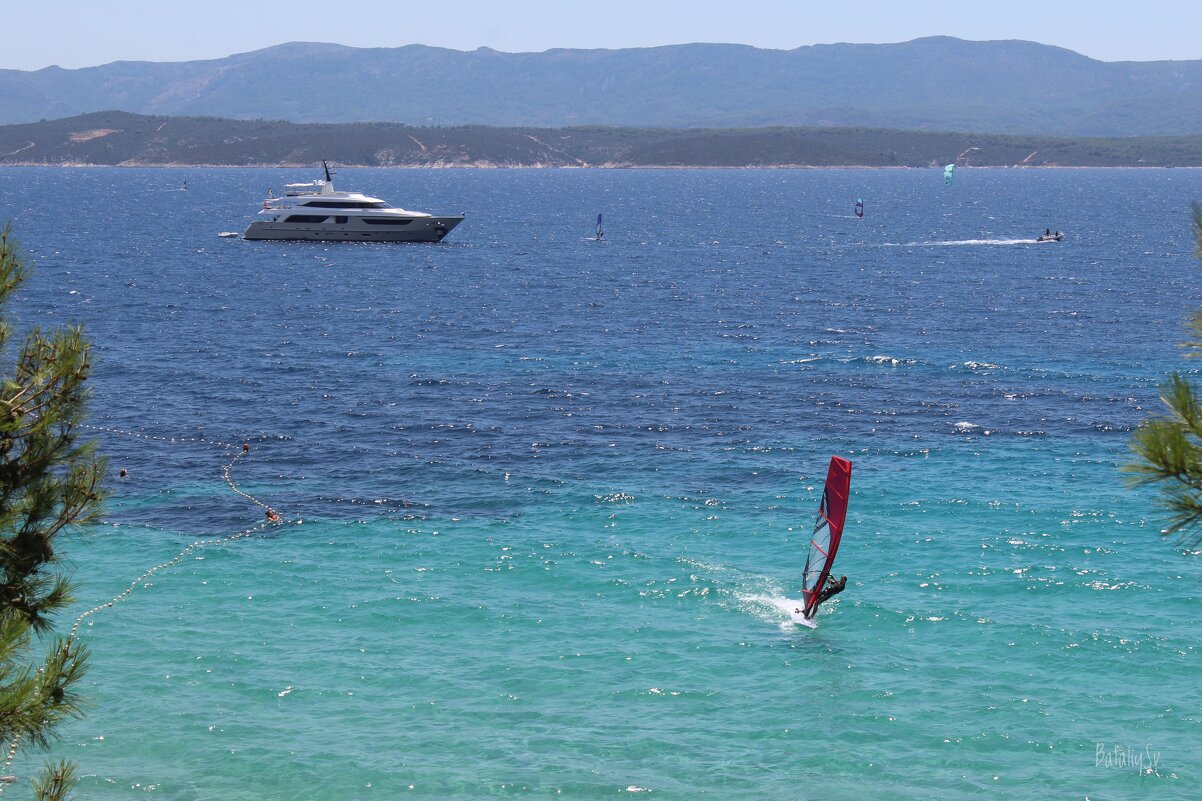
(962, 242)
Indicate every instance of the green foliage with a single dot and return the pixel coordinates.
(134, 139)
(1169, 447)
(49, 481)
(55, 783)
(1196, 211)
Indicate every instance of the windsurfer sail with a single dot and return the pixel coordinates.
(816, 583)
(947, 173)
(860, 208)
(600, 230)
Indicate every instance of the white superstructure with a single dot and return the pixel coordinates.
(317, 211)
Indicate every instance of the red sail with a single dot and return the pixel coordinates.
(828, 530)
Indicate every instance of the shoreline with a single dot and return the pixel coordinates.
(491, 166)
(118, 139)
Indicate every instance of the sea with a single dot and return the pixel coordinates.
(545, 500)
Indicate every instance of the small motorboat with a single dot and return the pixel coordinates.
(1049, 236)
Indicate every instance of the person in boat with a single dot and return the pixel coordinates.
(1047, 231)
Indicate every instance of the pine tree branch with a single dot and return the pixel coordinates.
(48, 482)
(56, 782)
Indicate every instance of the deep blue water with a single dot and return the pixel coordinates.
(546, 498)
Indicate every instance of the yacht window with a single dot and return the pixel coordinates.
(384, 221)
(341, 220)
(305, 218)
(343, 204)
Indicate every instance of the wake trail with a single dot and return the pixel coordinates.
(961, 243)
(785, 612)
(759, 596)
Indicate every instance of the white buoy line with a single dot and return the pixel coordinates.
(272, 518)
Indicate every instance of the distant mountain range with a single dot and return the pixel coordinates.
(121, 138)
(936, 83)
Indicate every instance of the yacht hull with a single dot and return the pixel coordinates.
(419, 229)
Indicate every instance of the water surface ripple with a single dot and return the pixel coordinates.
(546, 498)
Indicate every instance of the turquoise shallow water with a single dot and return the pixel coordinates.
(547, 499)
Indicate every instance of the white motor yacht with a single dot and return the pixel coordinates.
(317, 212)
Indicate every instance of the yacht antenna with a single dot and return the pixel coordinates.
(326, 167)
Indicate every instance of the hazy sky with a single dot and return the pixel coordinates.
(79, 33)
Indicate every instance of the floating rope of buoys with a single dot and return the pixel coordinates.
(272, 518)
(157, 438)
(133, 585)
(272, 515)
(12, 754)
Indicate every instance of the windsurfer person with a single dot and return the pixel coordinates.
(832, 588)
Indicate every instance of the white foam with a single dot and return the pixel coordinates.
(962, 242)
(798, 619)
(777, 609)
(889, 360)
